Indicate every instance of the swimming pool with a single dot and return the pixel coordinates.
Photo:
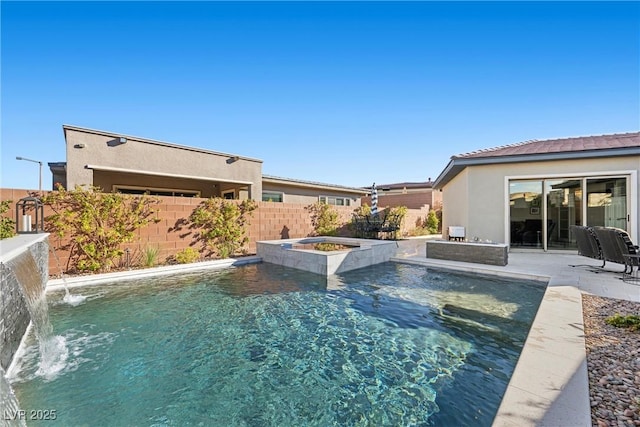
(262, 344)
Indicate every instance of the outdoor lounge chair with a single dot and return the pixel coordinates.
(616, 245)
(588, 244)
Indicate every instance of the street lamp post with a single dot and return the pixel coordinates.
(38, 162)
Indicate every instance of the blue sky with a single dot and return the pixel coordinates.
(338, 92)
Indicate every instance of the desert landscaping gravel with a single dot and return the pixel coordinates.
(613, 361)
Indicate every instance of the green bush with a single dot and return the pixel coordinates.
(7, 225)
(222, 225)
(150, 256)
(96, 224)
(362, 210)
(431, 224)
(324, 219)
(630, 321)
(187, 256)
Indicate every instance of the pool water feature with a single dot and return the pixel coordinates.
(268, 345)
(69, 298)
(51, 348)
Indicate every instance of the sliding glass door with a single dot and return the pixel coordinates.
(543, 211)
(526, 213)
(564, 209)
(607, 202)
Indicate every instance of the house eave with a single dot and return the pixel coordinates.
(458, 164)
(163, 174)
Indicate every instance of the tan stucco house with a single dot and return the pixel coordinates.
(529, 194)
(278, 189)
(130, 164)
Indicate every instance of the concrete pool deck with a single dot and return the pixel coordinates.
(550, 385)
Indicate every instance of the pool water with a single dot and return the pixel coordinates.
(266, 345)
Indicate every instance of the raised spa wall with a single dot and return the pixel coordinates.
(23, 259)
(365, 252)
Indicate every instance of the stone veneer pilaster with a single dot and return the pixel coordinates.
(14, 316)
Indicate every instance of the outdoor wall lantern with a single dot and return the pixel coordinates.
(117, 141)
(233, 159)
(26, 209)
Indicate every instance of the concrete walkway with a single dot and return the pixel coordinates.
(549, 386)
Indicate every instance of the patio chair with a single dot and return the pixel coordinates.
(391, 225)
(374, 224)
(588, 244)
(616, 244)
(360, 225)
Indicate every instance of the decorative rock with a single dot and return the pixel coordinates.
(613, 364)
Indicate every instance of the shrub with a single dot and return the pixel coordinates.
(7, 225)
(187, 256)
(431, 223)
(150, 256)
(222, 225)
(324, 219)
(630, 321)
(362, 210)
(96, 224)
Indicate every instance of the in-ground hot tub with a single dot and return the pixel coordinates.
(326, 255)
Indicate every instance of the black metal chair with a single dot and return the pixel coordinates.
(374, 224)
(391, 225)
(359, 225)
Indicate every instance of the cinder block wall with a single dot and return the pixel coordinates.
(410, 200)
(270, 221)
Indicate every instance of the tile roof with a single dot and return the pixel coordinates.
(401, 185)
(565, 145)
(302, 182)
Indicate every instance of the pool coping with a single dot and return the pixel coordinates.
(95, 279)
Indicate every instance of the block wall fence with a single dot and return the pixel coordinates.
(270, 221)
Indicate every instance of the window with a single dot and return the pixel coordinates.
(543, 211)
(337, 201)
(229, 195)
(155, 191)
(272, 196)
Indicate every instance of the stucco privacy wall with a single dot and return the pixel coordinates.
(477, 197)
(270, 221)
(103, 149)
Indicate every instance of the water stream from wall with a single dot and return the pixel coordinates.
(69, 298)
(53, 350)
(11, 414)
